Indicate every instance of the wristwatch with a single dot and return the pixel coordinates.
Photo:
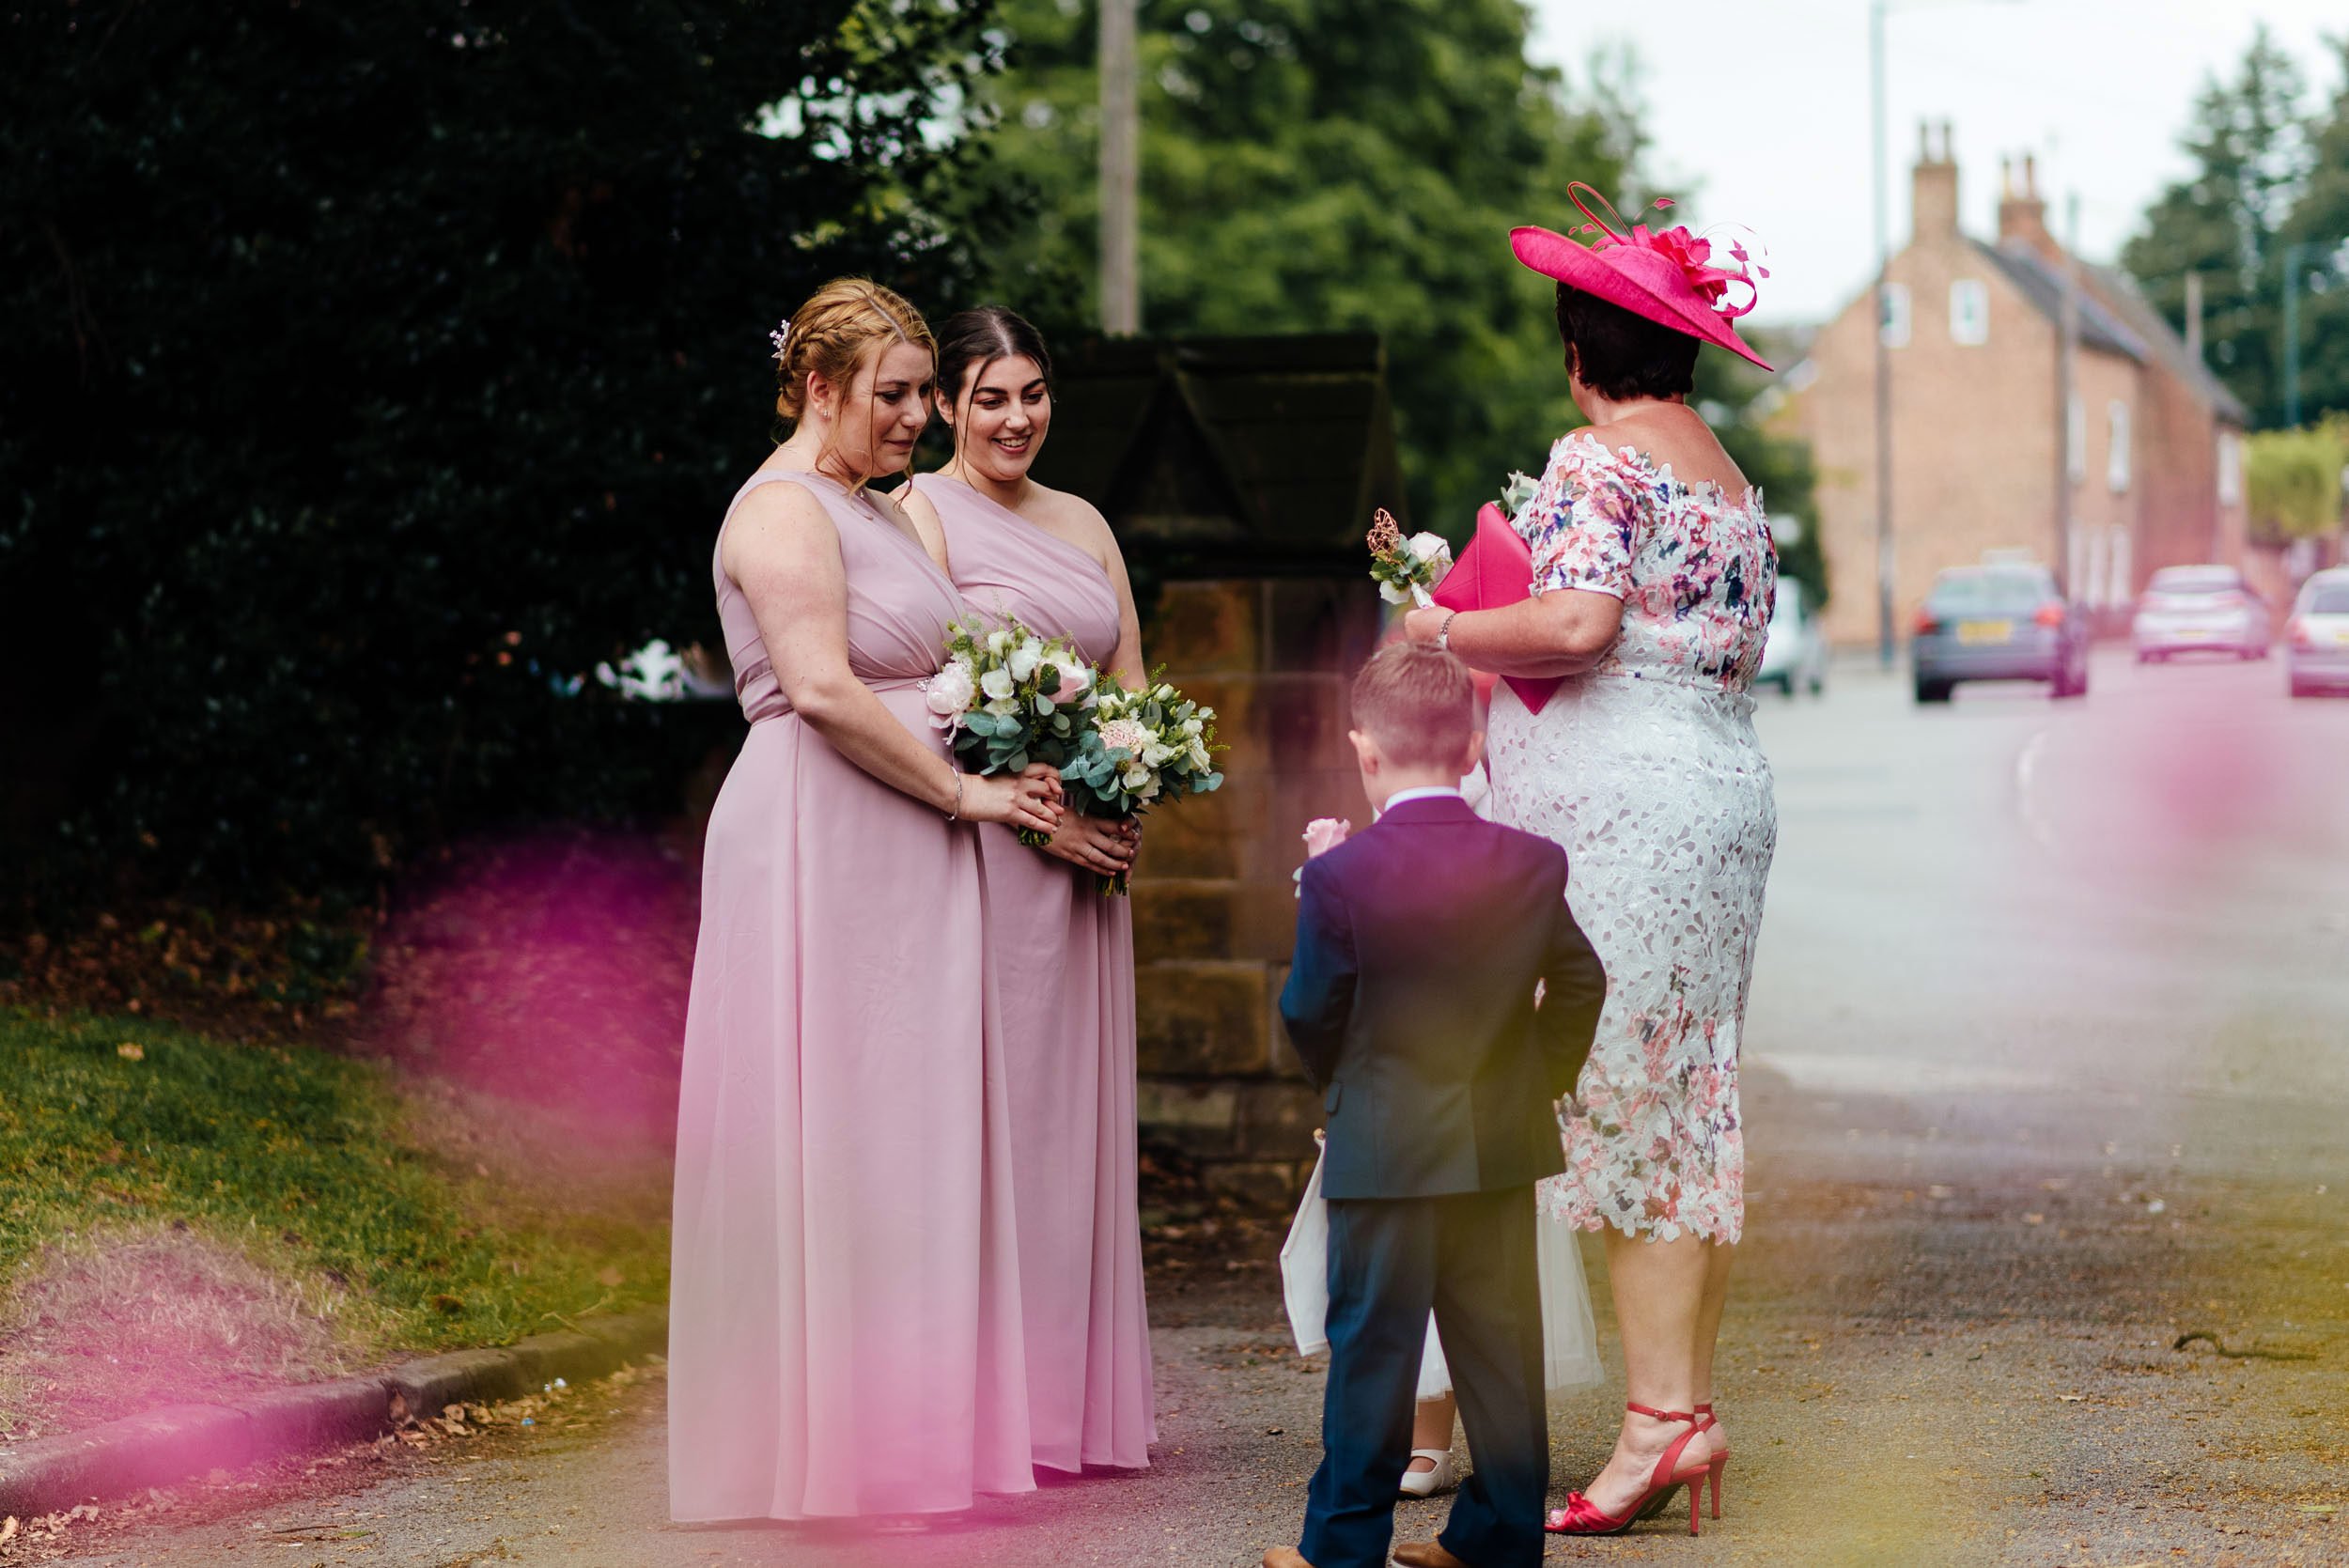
(1443, 632)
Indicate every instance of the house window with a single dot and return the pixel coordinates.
(1969, 312)
(2117, 447)
(2076, 439)
(1894, 327)
(2230, 468)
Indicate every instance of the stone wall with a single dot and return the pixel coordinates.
(1215, 904)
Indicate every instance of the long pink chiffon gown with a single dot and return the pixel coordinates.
(1067, 996)
(843, 1329)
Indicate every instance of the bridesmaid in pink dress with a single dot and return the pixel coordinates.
(845, 1333)
(1019, 549)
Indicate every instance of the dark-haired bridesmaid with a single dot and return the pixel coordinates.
(1019, 547)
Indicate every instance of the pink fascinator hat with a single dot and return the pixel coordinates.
(1674, 278)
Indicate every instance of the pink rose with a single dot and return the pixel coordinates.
(1325, 833)
(1074, 683)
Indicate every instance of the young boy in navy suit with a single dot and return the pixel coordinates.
(1421, 943)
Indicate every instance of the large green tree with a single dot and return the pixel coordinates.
(2248, 140)
(365, 369)
(1334, 164)
(2320, 223)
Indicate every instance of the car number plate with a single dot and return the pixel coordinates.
(1972, 632)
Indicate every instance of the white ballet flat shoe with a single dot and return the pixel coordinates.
(1426, 1483)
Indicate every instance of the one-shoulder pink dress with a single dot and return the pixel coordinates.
(1067, 991)
(844, 1323)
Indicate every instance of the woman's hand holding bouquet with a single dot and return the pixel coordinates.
(1145, 746)
(1012, 704)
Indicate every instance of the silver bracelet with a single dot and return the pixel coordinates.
(1443, 632)
(955, 814)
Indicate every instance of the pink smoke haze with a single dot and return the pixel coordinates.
(550, 971)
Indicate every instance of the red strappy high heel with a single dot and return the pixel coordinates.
(1582, 1516)
(1719, 1464)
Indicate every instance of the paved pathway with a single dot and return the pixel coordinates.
(2047, 1070)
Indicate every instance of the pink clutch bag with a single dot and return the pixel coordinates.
(1496, 570)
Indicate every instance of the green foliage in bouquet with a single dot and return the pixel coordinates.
(1009, 698)
(1146, 746)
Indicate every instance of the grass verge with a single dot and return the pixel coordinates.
(180, 1215)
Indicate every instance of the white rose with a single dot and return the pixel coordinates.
(996, 684)
(1157, 754)
(1192, 726)
(1392, 594)
(1165, 693)
(1135, 776)
(951, 690)
(998, 641)
(1025, 661)
(1199, 763)
(1150, 788)
(1425, 547)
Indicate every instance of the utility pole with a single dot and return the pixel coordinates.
(2194, 318)
(1885, 559)
(2293, 253)
(2071, 431)
(1121, 294)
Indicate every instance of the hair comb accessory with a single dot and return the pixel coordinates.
(781, 338)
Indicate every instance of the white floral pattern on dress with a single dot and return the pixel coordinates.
(1646, 769)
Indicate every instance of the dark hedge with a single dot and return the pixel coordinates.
(366, 366)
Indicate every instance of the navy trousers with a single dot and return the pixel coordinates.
(1469, 1258)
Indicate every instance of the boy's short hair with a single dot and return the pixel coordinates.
(1418, 702)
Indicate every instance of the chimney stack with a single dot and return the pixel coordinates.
(1932, 196)
(2023, 213)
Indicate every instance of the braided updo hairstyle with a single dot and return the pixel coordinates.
(842, 324)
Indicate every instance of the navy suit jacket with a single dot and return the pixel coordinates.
(1411, 1001)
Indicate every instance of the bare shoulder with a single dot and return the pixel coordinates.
(910, 510)
(1076, 519)
(773, 517)
(1681, 441)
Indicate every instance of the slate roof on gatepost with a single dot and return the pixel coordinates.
(1219, 454)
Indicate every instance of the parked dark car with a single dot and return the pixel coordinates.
(2003, 622)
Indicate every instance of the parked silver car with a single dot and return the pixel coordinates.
(1794, 656)
(2316, 653)
(2193, 609)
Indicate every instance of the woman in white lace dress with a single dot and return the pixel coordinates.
(1653, 575)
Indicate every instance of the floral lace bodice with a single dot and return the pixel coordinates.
(1696, 572)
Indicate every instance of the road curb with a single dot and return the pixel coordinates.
(158, 1447)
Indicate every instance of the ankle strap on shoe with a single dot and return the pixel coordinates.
(1660, 1414)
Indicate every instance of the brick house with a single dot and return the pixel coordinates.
(2154, 462)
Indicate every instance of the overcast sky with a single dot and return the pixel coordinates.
(1763, 104)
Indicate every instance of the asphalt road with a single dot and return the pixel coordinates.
(2049, 1063)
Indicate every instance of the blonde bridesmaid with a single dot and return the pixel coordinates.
(845, 1313)
(1021, 548)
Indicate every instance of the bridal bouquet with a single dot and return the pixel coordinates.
(1406, 570)
(1007, 698)
(1146, 746)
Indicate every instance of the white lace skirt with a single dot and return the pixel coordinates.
(1569, 1338)
(1662, 799)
